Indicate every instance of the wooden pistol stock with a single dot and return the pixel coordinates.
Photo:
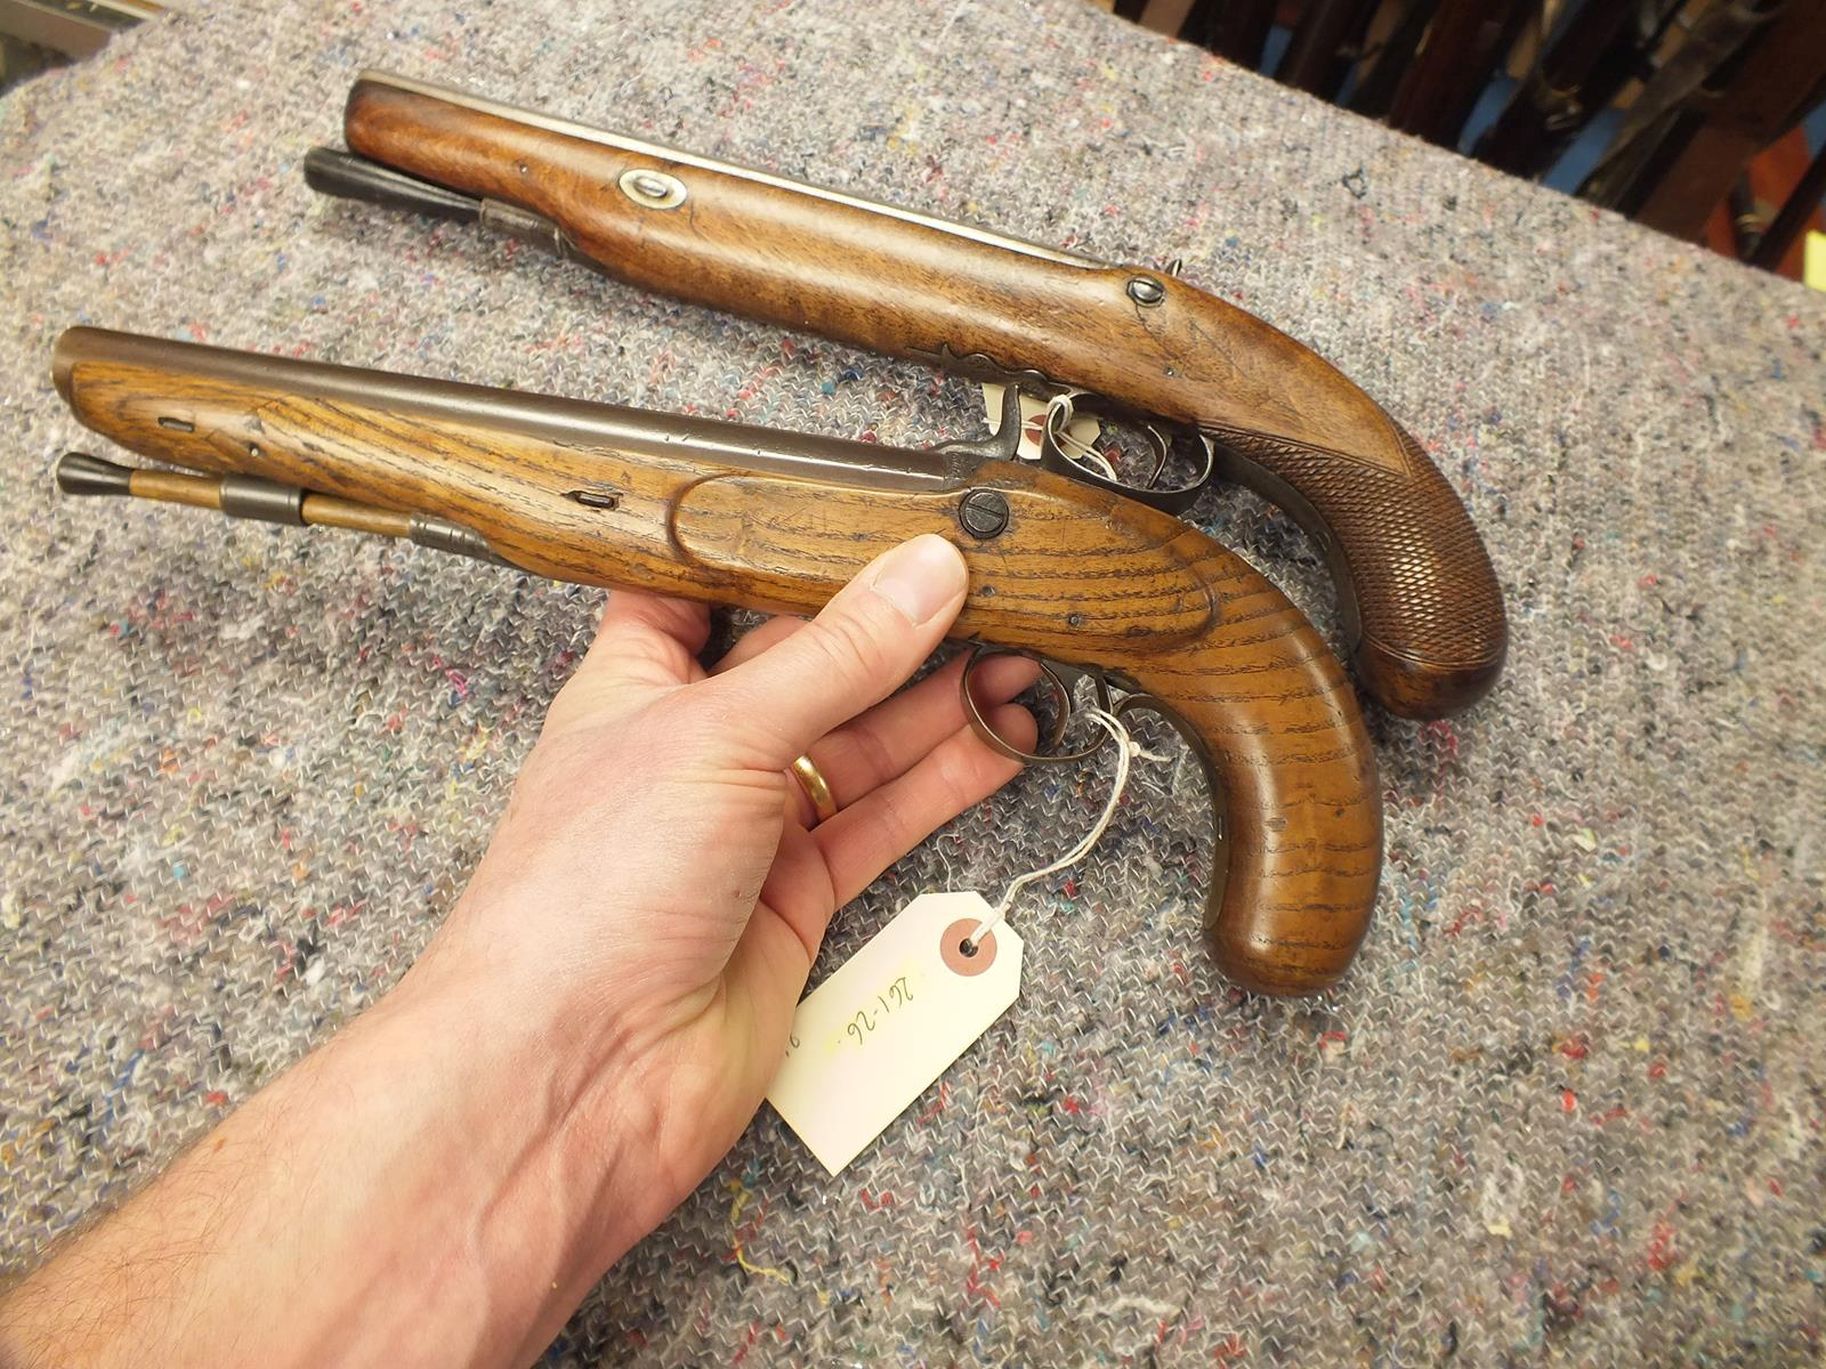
(1422, 610)
(601, 495)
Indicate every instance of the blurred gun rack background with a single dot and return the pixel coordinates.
(1705, 119)
(36, 34)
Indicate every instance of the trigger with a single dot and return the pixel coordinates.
(1055, 436)
(1004, 444)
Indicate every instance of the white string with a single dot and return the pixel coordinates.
(1085, 455)
(1126, 751)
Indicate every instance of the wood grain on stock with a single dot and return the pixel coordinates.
(1079, 575)
(1421, 606)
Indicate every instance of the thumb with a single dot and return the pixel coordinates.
(860, 649)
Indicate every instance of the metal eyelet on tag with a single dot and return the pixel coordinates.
(652, 189)
(891, 1019)
(962, 955)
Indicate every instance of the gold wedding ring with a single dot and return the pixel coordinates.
(816, 787)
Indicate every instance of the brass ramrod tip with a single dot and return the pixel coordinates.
(80, 473)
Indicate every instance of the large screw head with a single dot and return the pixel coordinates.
(984, 513)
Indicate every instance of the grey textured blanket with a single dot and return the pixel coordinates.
(1569, 1103)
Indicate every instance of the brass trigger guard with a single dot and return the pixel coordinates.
(1064, 407)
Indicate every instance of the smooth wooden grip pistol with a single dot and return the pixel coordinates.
(1422, 611)
(602, 495)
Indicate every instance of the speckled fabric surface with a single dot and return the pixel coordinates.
(1567, 1107)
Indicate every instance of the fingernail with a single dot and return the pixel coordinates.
(920, 577)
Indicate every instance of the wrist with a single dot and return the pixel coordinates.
(555, 1098)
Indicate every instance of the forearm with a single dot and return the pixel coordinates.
(593, 1027)
(417, 1190)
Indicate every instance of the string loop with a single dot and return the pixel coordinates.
(1127, 749)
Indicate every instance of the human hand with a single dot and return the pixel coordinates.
(658, 888)
(590, 1030)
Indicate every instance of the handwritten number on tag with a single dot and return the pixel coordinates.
(897, 995)
(910, 1014)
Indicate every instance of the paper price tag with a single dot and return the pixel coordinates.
(871, 1038)
(1033, 422)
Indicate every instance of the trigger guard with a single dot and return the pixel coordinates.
(1054, 681)
(1065, 407)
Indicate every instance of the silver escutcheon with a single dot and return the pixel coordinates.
(652, 189)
